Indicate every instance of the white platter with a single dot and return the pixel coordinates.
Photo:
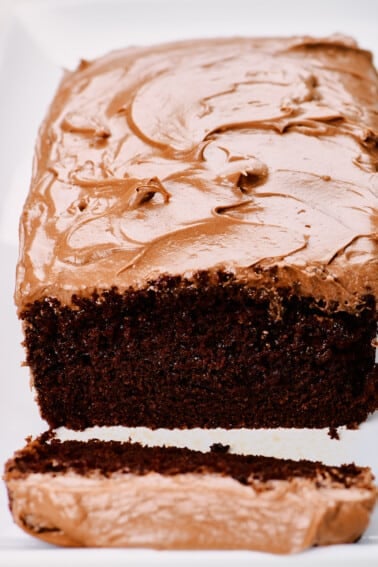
(37, 39)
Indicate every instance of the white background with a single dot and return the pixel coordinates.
(37, 39)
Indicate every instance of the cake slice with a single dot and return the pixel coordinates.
(199, 245)
(113, 494)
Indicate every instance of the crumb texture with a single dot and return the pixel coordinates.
(209, 353)
(49, 455)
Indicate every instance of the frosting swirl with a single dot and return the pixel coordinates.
(242, 154)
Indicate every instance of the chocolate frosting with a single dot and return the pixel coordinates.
(238, 154)
(190, 511)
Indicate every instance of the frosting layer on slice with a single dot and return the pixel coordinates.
(187, 511)
(123, 494)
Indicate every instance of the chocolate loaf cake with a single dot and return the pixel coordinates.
(199, 245)
(111, 494)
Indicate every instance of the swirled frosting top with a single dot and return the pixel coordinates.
(242, 154)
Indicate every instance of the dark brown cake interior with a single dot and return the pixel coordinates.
(204, 353)
(46, 455)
